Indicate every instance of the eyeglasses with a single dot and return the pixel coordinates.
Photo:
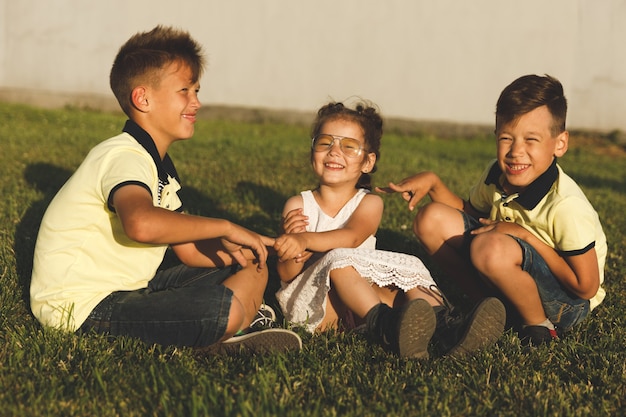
(349, 146)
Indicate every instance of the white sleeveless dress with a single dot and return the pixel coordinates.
(303, 300)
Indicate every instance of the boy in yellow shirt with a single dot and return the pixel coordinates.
(105, 233)
(527, 232)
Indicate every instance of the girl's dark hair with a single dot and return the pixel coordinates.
(529, 92)
(366, 115)
(145, 54)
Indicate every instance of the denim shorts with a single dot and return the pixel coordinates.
(181, 306)
(563, 308)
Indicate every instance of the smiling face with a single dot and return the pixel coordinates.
(332, 166)
(526, 148)
(171, 105)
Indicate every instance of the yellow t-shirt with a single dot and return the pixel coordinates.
(82, 253)
(553, 208)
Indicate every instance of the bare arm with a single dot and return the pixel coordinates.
(293, 221)
(208, 253)
(416, 187)
(363, 223)
(578, 273)
(145, 223)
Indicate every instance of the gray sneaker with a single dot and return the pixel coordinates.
(261, 341)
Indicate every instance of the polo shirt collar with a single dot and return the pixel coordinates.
(535, 192)
(165, 167)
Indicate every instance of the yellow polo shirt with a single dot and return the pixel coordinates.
(553, 208)
(82, 253)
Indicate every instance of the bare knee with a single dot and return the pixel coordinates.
(436, 223)
(491, 253)
(425, 221)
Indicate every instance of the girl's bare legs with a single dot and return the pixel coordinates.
(336, 308)
(354, 291)
(406, 330)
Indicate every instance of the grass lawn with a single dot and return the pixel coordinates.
(245, 172)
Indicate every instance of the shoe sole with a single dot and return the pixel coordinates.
(266, 341)
(485, 328)
(417, 326)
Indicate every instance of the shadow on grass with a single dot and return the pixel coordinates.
(47, 179)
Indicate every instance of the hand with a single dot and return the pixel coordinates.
(294, 222)
(239, 238)
(291, 246)
(507, 228)
(413, 188)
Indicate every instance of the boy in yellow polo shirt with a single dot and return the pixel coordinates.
(105, 233)
(527, 232)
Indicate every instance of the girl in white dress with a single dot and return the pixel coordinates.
(329, 267)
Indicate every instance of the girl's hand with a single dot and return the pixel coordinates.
(295, 221)
(239, 238)
(291, 246)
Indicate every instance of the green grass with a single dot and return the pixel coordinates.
(244, 172)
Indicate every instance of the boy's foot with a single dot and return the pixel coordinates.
(481, 328)
(537, 335)
(265, 318)
(416, 325)
(260, 341)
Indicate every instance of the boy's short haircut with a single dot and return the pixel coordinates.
(140, 60)
(528, 93)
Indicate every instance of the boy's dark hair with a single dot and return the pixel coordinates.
(526, 94)
(364, 114)
(141, 58)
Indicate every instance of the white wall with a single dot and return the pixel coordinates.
(427, 60)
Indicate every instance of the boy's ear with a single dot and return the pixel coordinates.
(139, 99)
(562, 143)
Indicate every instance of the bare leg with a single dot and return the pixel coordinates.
(440, 229)
(355, 292)
(248, 286)
(334, 309)
(498, 257)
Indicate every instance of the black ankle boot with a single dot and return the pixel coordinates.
(382, 327)
(406, 330)
(456, 335)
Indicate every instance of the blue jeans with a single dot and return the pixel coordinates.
(563, 308)
(181, 306)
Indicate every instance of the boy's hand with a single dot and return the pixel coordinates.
(416, 187)
(240, 237)
(413, 188)
(507, 228)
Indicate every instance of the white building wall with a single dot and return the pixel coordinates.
(444, 60)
